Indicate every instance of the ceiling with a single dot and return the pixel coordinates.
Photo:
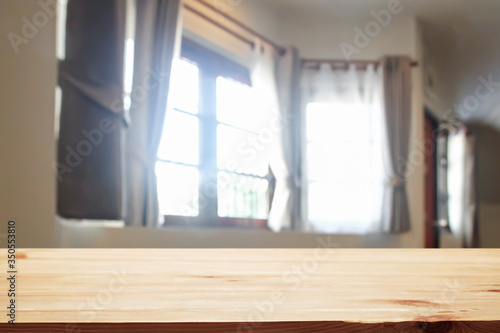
(480, 13)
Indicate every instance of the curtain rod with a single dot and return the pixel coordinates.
(280, 49)
(214, 22)
(249, 30)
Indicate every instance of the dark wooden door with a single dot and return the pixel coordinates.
(431, 229)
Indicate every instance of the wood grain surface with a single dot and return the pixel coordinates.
(255, 290)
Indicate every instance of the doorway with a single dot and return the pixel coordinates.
(431, 226)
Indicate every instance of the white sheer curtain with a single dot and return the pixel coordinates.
(266, 104)
(276, 89)
(285, 163)
(344, 142)
(263, 76)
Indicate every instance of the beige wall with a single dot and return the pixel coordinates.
(440, 72)
(487, 139)
(27, 147)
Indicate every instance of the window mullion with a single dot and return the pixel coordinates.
(208, 145)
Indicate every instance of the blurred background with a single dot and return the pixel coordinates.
(250, 123)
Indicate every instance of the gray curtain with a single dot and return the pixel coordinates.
(396, 73)
(285, 208)
(157, 41)
(90, 150)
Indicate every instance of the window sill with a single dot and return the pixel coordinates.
(223, 222)
(92, 234)
(113, 224)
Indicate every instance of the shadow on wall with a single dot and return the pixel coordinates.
(487, 182)
(488, 162)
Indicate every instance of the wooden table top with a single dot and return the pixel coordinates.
(256, 290)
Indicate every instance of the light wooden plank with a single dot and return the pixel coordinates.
(249, 286)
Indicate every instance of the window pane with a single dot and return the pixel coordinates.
(180, 141)
(178, 188)
(344, 202)
(339, 160)
(184, 87)
(344, 167)
(326, 122)
(242, 196)
(236, 106)
(239, 151)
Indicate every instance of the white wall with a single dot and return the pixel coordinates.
(27, 146)
(321, 37)
(134, 237)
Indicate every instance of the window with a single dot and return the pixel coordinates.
(205, 174)
(343, 167)
(178, 154)
(242, 182)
